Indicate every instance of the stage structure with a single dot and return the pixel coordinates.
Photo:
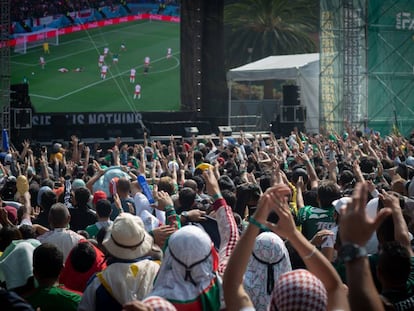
(391, 65)
(5, 64)
(343, 74)
(303, 69)
(366, 64)
(203, 87)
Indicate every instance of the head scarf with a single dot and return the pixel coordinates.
(77, 280)
(158, 304)
(188, 272)
(268, 261)
(299, 290)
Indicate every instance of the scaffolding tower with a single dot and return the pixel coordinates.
(366, 65)
(5, 64)
(343, 83)
(354, 64)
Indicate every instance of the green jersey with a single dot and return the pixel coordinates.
(313, 219)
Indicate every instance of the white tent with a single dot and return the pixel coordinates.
(303, 68)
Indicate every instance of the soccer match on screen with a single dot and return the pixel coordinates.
(206, 155)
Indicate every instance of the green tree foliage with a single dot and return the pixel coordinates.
(269, 27)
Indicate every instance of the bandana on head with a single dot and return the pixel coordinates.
(299, 290)
(269, 260)
(188, 274)
(158, 304)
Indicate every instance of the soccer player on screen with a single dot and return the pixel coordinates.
(101, 60)
(42, 62)
(115, 58)
(169, 53)
(46, 47)
(137, 92)
(104, 70)
(146, 64)
(132, 75)
(106, 51)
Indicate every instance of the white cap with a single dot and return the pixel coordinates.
(341, 202)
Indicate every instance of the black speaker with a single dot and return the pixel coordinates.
(226, 130)
(20, 88)
(19, 96)
(291, 114)
(23, 118)
(281, 129)
(190, 131)
(291, 95)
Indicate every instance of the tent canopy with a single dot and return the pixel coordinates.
(283, 67)
(303, 68)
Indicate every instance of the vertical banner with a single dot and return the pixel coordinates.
(391, 65)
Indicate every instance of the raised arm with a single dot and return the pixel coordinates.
(355, 230)
(99, 172)
(299, 195)
(401, 233)
(315, 261)
(234, 294)
(75, 149)
(313, 177)
(225, 220)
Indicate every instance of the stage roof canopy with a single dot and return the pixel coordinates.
(283, 67)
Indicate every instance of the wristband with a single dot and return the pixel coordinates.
(217, 196)
(310, 254)
(169, 208)
(258, 224)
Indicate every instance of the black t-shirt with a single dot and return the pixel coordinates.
(81, 218)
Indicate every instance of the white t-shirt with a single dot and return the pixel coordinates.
(133, 71)
(142, 204)
(104, 69)
(147, 60)
(137, 88)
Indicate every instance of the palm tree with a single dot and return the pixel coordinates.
(260, 28)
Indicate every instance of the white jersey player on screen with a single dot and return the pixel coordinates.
(42, 62)
(101, 60)
(169, 53)
(132, 75)
(104, 71)
(137, 92)
(146, 64)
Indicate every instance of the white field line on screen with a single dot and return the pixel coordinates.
(101, 81)
(85, 39)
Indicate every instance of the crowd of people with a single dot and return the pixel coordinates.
(250, 222)
(24, 9)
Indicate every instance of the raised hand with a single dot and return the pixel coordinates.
(355, 225)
